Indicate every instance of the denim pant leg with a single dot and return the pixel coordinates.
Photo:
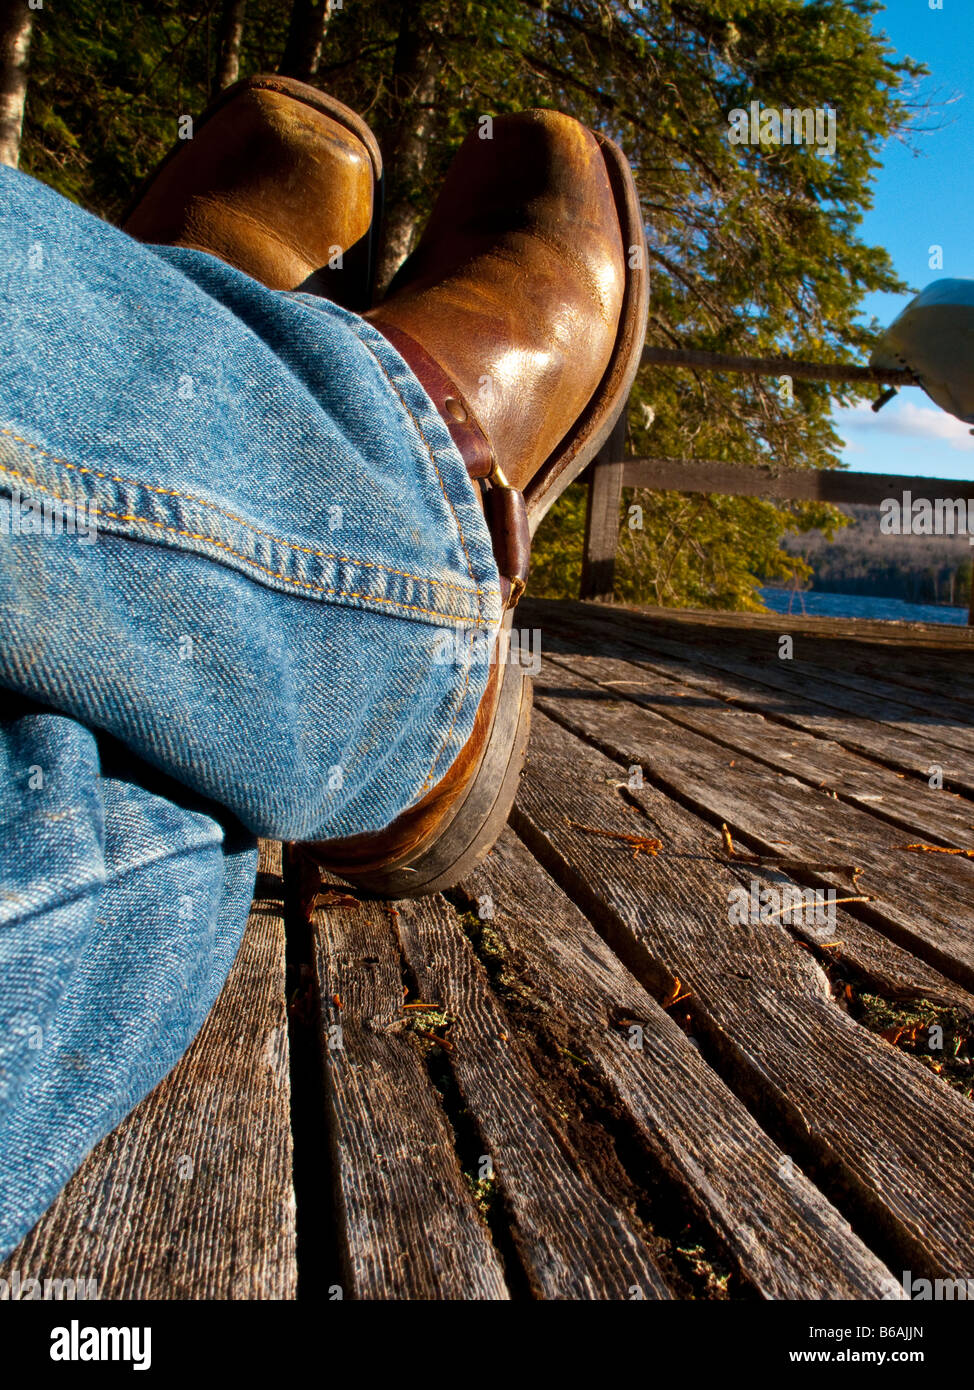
(283, 530)
(246, 587)
(123, 904)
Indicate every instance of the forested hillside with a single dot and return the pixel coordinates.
(752, 248)
(860, 560)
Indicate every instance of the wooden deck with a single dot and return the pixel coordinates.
(578, 1077)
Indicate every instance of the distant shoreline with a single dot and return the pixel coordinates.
(860, 561)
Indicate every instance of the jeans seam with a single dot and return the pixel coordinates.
(253, 564)
(439, 476)
(449, 732)
(463, 542)
(239, 520)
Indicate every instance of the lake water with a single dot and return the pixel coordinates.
(860, 606)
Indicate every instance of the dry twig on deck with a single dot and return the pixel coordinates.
(785, 863)
(644, 844)
(938, 849)
(674, 995)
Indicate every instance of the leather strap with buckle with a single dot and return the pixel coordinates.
(504, 508)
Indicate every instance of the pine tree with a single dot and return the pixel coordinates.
(229, 40)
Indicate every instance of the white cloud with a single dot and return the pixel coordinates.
(907, 420)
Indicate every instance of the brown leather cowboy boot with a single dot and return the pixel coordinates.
(280, 181)
(523, 314)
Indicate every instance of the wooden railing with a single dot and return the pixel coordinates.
(611, 471)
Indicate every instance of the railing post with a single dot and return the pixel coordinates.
(602, 515)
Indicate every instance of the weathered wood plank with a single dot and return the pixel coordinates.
(786, 700)
(919, 665)
(409, 1223)
(937, 641)
(946, 720)
(923, 681)
(888, 1139)
(817, 689)
(785, 484)
(191, 1196)
(786, 1240)
(887, 700)
(572, 1242)
(926, 906)
(941, 817)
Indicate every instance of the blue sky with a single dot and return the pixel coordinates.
(922, 197)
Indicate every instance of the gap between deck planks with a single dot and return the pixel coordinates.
(771, 1224)
(891, 1142)
(936, 638)
(565, 1231)
(827, 1089)
(409, 1220)
(728, 713)
(780, 690)
(756, 807)
(924, 902)
(927, 676)
(600, 1155)
(191, 1196)
(727, 790)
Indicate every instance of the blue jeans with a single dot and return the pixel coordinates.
(233, 532)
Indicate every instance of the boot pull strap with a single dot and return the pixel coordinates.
(504, 508)
(507, 521)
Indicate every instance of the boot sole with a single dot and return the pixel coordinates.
(471, 827)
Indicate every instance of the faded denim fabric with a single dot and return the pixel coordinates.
(248, 642)
(122, 908)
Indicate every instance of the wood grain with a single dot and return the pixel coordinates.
(938, 640)
(890, 1140)
(826, 710)
(932, 668)
(709, 707)
(572, 1242)
(787, 484)
(925, 903)
(408, 1221)
(786, 1240)
(602, 516)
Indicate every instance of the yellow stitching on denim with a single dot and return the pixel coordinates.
(232, 516)
(439, 479)
(222, 545)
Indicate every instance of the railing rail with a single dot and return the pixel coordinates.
(611, 471)
(778, 366)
